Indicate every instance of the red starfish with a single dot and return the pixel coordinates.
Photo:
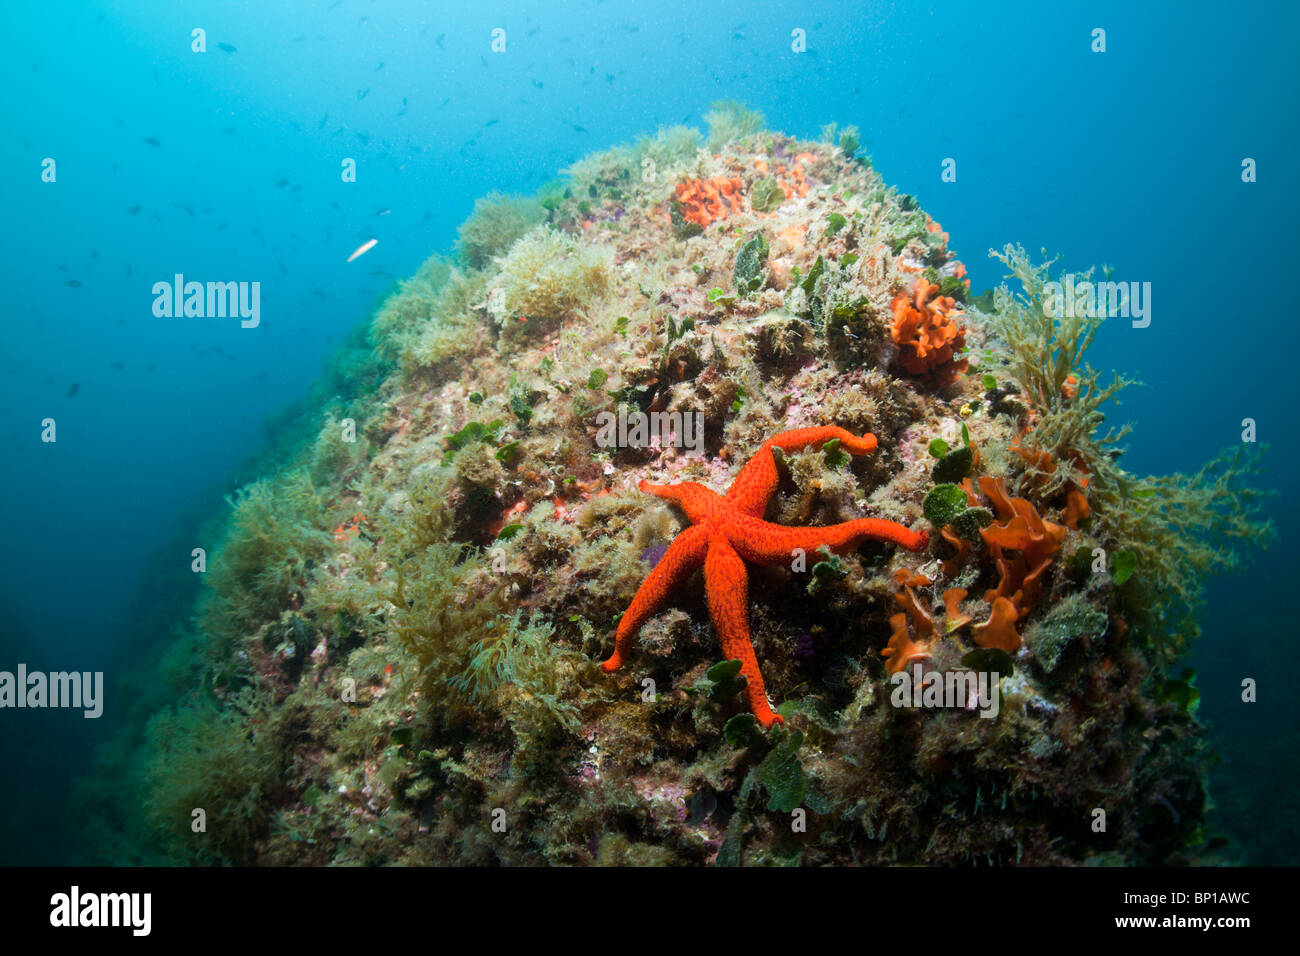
(726, 529)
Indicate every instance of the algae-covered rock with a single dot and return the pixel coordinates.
(1072, 621)
(397, 655)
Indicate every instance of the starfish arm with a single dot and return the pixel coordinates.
(727, 581)
(753, 487)
(765, 543)
(679, 562)
(692, 497)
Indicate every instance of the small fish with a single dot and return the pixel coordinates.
(439, 40)
(362, 94)
(228, 47)
(75, 283)
(321, 124)
(281, 183)
(577, 128)
(133, 210)
(383, 212)
(492, 122)
(228, 130)
(296, 188)
(362, 249)
(151, 141)
(119, 366)
(76, 387)
(380, 66)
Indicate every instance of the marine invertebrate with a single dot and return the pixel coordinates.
(727, 530)
(1000, 629)
(1042, 469)
(927, 332)
(906, 646)
(1021, 529)
(703, 201)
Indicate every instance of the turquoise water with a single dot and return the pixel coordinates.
(226, 165)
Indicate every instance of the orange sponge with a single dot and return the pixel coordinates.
(927, 332)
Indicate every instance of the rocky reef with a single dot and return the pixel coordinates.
(396, 657)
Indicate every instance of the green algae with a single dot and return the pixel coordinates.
(969, 523)
(781, 774)
(749, 273)
(944, 503)
(954, 465)
(497, 221)
(766, 195)
(546, 276)
(222, 761)
(731, 120)
(725, 680)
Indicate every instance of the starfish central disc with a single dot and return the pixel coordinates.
(728, 530)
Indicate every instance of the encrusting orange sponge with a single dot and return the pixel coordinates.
(927, 333)
(707, 200)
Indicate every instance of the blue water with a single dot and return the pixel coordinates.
(1130, 157)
